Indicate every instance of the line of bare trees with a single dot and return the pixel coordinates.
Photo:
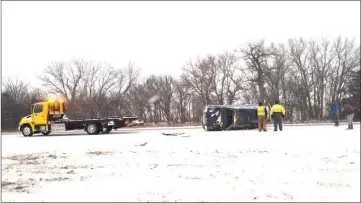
(304, 75)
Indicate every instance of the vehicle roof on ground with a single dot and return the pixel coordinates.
(234, 106)
(242, 106)
(214, 106)
(130, 117)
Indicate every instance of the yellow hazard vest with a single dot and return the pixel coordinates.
(278, 108)
(261, 111)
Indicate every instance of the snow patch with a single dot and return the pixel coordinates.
(313, 163)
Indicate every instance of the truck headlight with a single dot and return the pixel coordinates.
(111, 123)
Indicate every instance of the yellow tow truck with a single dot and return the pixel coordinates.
(44, 114)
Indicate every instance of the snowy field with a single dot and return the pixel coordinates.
(302, 163)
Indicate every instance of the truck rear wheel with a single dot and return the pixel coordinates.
(107, 130)
(92, 129)
(27, 131)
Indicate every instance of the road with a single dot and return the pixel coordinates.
(138, 129)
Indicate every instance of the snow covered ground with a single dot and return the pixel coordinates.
(302, 163)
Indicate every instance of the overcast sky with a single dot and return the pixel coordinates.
(159, 37)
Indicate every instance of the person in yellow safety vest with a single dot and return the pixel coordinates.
(277, 114)
(262, 117)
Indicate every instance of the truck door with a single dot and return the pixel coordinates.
(39, 117)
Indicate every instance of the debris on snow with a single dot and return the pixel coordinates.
(155, 166)
(172, 134)
(175, 134)
(97, 153)
(142, 145)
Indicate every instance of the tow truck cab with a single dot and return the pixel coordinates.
(42, 113)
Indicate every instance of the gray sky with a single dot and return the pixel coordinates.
(159, 37)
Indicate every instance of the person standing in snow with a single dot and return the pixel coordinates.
(349, 112)
(334, 112)
(262, 117)
(278, 113)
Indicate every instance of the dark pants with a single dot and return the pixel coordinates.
(277, 121)
(335, 118)
(349, 118)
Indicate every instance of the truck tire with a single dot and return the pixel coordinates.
(27, 131)
(107, 130)
(92, 129)
(46, 132)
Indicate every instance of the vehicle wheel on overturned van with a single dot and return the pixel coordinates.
(27, 131)
(205, 127)
(92, 129)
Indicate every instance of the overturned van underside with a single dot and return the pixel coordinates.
(230, 117)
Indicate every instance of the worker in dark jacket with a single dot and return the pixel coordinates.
(262, 117)
(349, 112)
(277, 113)
(334, 112)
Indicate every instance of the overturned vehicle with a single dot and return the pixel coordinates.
(230, 117)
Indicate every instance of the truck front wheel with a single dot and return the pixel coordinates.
(27, 131)
(92, 129)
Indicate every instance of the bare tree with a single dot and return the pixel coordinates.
(250, 93)
(165, 86)
(299, 54)
(137, 100)
(321, 56)
(198, 76)
(255, 56)
(151, 87)
(64, 79)
(125, 80)
(97, 85)
(182, 99)
(347, 58)
(291, 89)
(16, 89)
(353, 90)
(16, 98)
(215, 79)
(277, 66)
(227, 82)
(161, 87)
(304, 75)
